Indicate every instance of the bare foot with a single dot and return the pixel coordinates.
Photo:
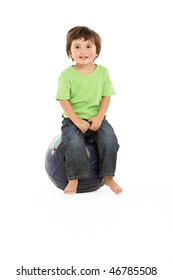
(71, 187)
(109, 181)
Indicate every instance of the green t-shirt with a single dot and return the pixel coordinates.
(84, 91)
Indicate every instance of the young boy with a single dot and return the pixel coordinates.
(84, 92)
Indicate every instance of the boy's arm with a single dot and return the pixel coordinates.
(97, 121)
(81, 124)
(103, 107)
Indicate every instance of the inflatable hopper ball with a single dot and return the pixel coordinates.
(55, 166)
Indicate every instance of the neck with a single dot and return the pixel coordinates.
(85, 69)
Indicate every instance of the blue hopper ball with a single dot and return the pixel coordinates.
(55, 166)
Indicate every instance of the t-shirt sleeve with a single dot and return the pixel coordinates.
(108, 89)
(63, 92)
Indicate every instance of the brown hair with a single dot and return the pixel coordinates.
(80, 32)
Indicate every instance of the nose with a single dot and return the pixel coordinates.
(83, 50)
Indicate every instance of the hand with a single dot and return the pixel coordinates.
(95, 123)
(82, 125)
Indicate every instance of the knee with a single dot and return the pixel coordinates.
(74, 141)
(109, 137)
(108, 141)
(111, 143)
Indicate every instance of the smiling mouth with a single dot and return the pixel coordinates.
(83, 57)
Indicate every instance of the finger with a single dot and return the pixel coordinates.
(94, 128)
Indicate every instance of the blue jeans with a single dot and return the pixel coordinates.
(76, 158)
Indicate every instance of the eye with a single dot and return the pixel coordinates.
(76, 47)
(89, 46)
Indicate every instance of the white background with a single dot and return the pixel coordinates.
(40, 226)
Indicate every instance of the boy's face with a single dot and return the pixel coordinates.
(83, 52)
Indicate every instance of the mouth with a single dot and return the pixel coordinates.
(83, 57)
